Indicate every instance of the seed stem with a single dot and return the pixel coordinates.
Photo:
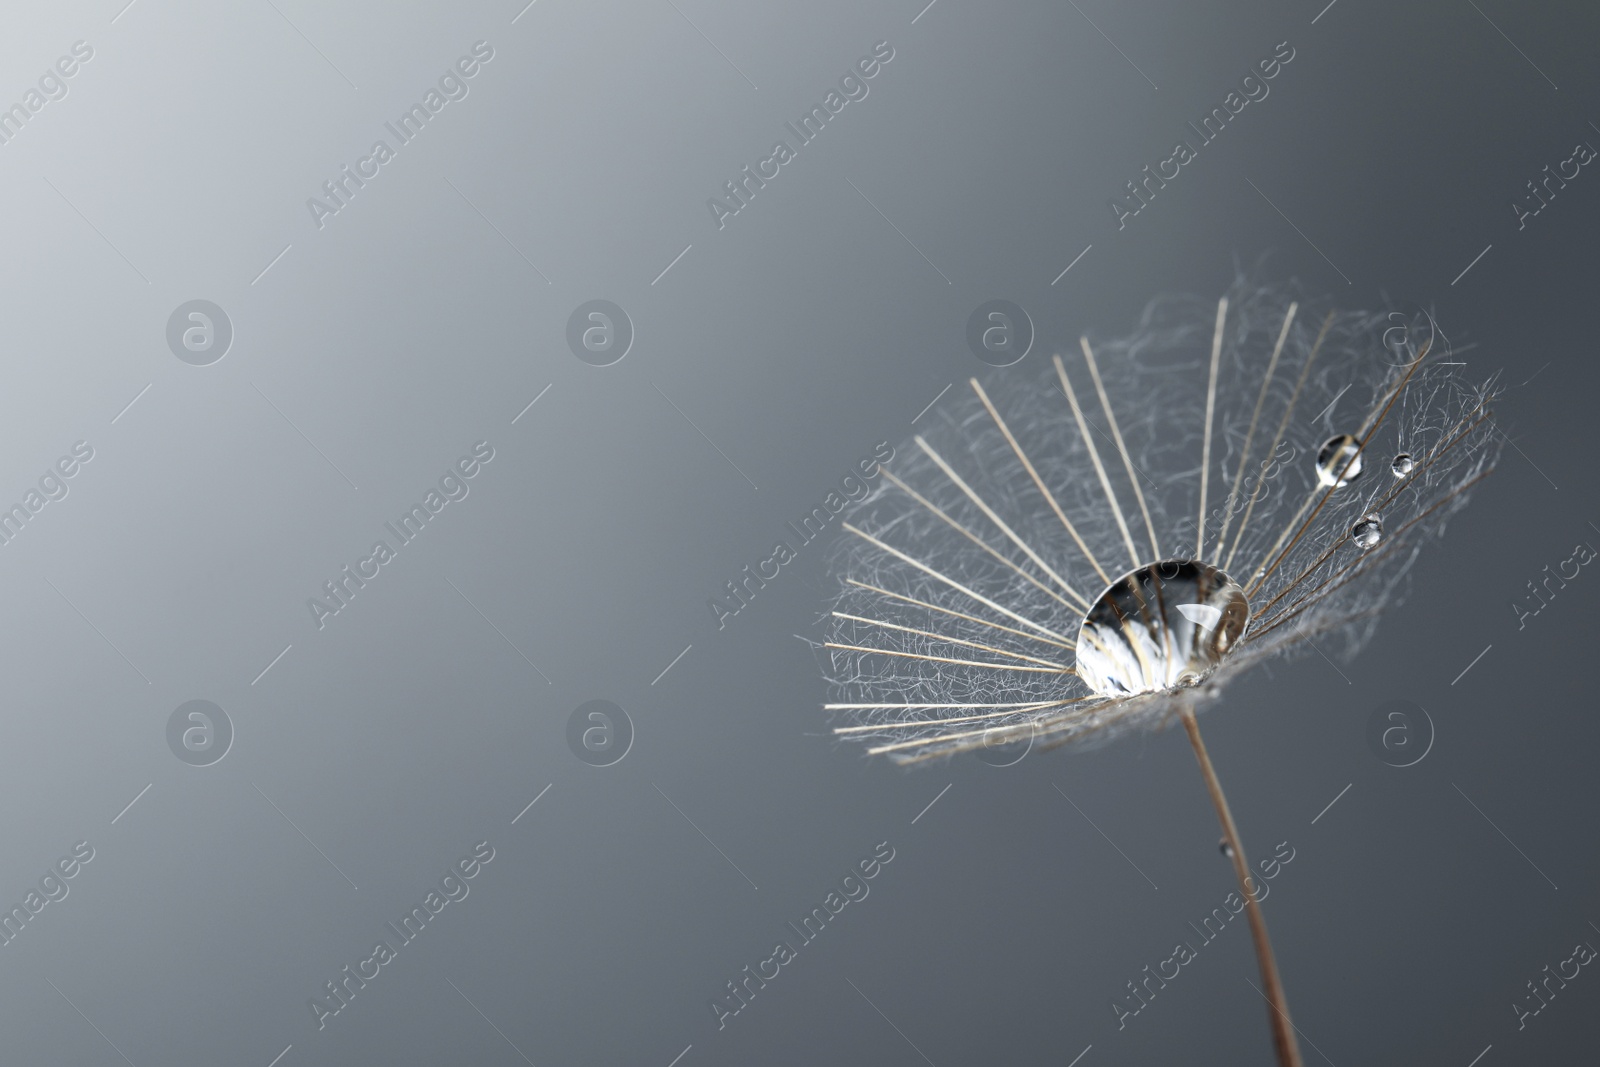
(1283, 1038)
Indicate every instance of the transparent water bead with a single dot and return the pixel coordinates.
(1367, 532)
(1403, 465)
(1163, 626)
(1225, 848)
(1332, 459)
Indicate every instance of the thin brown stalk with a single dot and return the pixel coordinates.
(1283, 1038)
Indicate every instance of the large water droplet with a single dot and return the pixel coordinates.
(1403, 465)
(1163, 626)
(1225, 848)
(1367, 532)
(1339, 460)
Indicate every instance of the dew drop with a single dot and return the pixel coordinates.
(1339, 455)
(1367, 532)
(1225, 848)
(1163, 626)
(1402, 465)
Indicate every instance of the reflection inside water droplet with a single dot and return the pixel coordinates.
(1225, 848)
(1402, 465)
(1367, 532)
(1339, 460)
(1163, 626)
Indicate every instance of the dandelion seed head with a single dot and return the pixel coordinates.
(1065, 552)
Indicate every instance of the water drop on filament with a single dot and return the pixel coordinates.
(1339, 460)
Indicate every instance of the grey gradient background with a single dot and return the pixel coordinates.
(423, 318)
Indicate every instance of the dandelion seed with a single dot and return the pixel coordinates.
(967, 574)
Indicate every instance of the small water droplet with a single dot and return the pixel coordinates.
(1402, 465)
(1226, 849)
(1339, 460)
(1367, 532)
